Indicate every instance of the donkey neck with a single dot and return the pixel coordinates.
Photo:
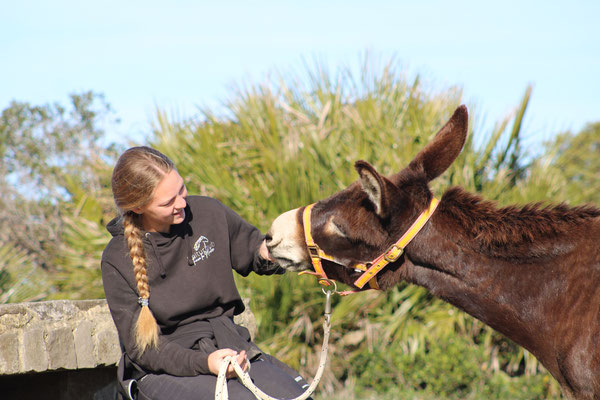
(508, 297)
(502, 266)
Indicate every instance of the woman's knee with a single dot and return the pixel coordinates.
(274, 381)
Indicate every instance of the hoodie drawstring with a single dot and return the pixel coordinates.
(161, 267)
(188, 242)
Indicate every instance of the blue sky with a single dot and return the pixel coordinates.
(179, 55)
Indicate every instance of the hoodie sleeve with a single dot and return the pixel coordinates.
(169, 357)
(244, 241)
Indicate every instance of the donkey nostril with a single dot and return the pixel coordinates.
(268, 237)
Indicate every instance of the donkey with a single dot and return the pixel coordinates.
(531, 273)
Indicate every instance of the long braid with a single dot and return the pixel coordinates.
(146, 327)
(135, 177)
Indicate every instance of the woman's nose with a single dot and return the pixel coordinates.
(180, 202)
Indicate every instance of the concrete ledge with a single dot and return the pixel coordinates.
(65, 335)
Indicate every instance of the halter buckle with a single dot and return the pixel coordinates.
(390, 255)
(313, 251)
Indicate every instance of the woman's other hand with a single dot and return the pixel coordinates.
(216, 358)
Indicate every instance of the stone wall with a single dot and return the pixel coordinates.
(53, 335)
(63, 350)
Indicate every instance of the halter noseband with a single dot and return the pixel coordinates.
(370, 269)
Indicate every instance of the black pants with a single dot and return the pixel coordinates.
(268, 375)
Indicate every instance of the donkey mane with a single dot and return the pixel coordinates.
(526, 234)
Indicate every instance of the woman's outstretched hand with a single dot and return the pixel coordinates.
(264, 252)
(216, 358)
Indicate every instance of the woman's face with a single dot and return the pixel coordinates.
(167, 205)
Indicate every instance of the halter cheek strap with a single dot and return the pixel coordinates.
(397, 249)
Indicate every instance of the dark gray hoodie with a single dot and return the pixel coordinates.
(192, 290)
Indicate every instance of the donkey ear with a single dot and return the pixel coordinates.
(447, 144)
(374, 185)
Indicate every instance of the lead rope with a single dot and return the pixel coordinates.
(221, 388)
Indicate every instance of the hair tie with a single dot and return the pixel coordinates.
(143, 302)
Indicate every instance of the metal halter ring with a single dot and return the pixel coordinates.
(328, 293)
(328, 282)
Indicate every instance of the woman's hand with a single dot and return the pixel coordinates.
(216, 358)
(264, 252)
(267, 265)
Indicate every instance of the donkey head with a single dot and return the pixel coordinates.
(357, 224)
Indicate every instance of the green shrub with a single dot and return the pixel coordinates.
(449, 367)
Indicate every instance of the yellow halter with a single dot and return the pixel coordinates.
(369, 269)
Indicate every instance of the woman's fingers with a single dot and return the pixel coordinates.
(216, 358)
(242, 361)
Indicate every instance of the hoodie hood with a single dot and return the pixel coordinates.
(115, 227)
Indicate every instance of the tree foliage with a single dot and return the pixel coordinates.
(50, 156)
(575, 161)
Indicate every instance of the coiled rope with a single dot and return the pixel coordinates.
(221, 387)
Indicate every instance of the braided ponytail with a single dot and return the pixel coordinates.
(135, 178)
(146, 329)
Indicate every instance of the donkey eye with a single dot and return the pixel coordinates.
(334, 229)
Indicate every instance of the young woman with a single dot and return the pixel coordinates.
(169, 284)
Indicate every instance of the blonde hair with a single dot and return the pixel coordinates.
(134, 180)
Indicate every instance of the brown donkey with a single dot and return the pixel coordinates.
(531, 273)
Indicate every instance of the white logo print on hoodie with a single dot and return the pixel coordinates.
(203, 248)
